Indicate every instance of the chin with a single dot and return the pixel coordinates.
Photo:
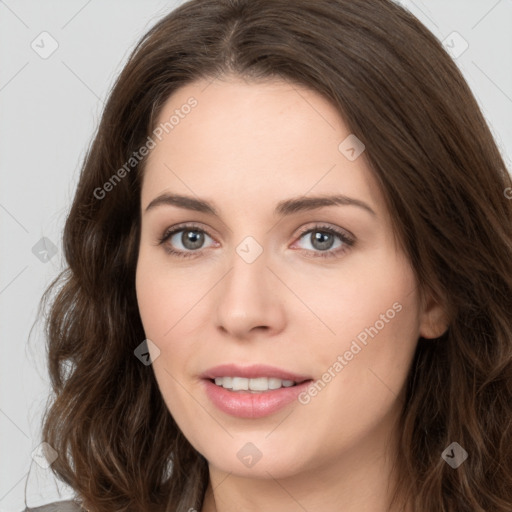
(253, 456)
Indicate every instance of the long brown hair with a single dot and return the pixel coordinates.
(445, 184)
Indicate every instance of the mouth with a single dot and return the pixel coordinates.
(252, 392)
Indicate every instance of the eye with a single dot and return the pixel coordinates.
(322, 239)
(192, 238)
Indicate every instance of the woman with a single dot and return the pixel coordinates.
(290, 273)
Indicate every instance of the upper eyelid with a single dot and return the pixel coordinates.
(338, 231)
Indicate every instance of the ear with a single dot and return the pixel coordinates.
(434, 319)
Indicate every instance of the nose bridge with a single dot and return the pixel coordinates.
(247, 279)
(247, 297)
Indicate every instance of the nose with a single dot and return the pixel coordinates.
(250, 299)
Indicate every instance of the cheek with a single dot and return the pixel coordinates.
(374, 299)
(373, 316)
(162, 295)
(363, 367)
(170, 307)
(161, 306)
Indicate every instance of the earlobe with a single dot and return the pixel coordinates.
(434, 320)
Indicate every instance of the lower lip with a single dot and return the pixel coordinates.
(252, 405)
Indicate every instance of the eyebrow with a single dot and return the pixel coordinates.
(283, 208)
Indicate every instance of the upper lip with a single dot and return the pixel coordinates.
(252, 372)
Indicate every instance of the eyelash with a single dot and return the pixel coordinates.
(347, 240)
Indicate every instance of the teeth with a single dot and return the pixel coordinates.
(274, 383)
(256, 384)
(259, 384)
(239, 383)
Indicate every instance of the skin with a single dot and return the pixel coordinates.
(245, 147)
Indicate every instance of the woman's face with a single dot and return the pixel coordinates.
(269, 275)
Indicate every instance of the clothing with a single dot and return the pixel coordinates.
(57, 506)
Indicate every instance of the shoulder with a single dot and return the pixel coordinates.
(58, 506)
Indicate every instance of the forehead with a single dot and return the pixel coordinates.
(252, 141)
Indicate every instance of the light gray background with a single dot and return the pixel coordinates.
(49, 110)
